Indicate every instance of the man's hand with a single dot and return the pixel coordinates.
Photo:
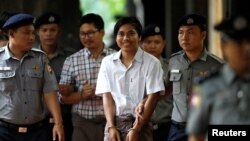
(88, 90)
(114, 134)
(58, 132)
(133, 135)
(65, 90)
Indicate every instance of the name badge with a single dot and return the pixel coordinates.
(175, 71)
(5, 68)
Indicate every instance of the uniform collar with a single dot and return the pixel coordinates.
(202, 57)
(138, 56)
(59, 51)
(6, 53)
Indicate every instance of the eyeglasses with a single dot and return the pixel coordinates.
(89, 34)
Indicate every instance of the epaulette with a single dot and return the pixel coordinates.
(176, 53)
(37, 50)
(217, 58)
(209, 75)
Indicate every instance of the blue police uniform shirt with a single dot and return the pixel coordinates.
(23, 83)
(222, 99)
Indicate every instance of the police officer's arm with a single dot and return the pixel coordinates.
(54, 108)
(196, 138)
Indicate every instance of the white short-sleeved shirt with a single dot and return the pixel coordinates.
(129, 86)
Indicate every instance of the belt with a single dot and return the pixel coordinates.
(179, 125)
(23, 128)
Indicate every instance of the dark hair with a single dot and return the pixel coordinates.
(128, 20)
(94, 19)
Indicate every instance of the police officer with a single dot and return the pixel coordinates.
(153, 42)
(192, 61)
(27, 83)
(48, 30)
(228, 101)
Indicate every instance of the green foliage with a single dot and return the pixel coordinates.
(108, 9)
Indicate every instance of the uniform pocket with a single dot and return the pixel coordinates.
(175, 79)
(7, 81)
(34, 80)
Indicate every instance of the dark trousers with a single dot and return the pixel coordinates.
(68, 127)
(177, 132)
(161, 132)
(39, 134)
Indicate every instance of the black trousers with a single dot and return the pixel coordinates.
(161, 133)
(38, 134)
(177, 132)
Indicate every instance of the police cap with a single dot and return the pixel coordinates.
(192, 19)
(235, 27)
(18, 20)
(47, 18)
(4, 16)
(152, 30)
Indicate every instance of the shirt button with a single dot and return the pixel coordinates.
(24, 90)
(25, 102)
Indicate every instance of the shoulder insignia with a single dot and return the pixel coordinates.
(217, 58)
(177, 53)
(195, 99)
(38, 50)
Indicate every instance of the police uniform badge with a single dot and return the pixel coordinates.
(49, 68)
(157, 29)
(51, 19)
(35, 67)
(240, 23)
(195, 99)
(190, 21)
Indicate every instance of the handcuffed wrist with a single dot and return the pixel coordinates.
(60, 99)
(134, 130)
(112, 127)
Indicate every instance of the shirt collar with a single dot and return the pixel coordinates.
(7, 53)
(88, 53)
(138, 56)
(59, 51)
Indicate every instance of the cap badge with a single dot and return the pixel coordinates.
(157, 29)
(34, 21)
(240, 23)
(51, 19)
(190, 21)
